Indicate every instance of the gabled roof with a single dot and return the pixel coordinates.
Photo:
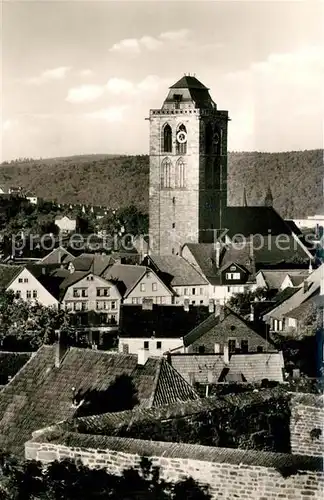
(94, 262)
(47, 275)
(213, 322)
(72, 278)
(258, 366)
(176, 270)
(162, 321)
(7, 274)
(57, 256)
(40, 394)
(274, 278)
(127, 276)
(298, 298)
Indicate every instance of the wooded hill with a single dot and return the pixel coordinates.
(295, 179)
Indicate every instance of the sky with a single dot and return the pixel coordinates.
(79, 77)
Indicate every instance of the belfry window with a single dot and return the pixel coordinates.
(181, 140)
(180, 173)
(166, 173)
(167, 139)
(209, 133)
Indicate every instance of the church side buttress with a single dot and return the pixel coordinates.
(188, 168)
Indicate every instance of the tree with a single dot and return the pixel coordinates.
(241, 302)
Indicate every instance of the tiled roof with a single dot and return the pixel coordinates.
(72, 278)
(267, 254)
(95, 263)
(7, 274)
(213, 322)
(125, 274)
(258, 366)
(281, 310)
(41, 394)
(161, 321)
(301, 311)
(211, 368)
(179, 272)
(57, 256)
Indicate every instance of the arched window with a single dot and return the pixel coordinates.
(217, 141)
(209, 133)
(166, 173)
(167, 139)
(180, 173)
(181, 140)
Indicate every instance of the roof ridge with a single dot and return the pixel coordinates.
(155, 383)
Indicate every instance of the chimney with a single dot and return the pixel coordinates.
(147, 304)
(222, 313)
(142, 356)
(226, 354)
(186, 305)
(61, 348)
(211, 306)
(217, 247)
(217, 308)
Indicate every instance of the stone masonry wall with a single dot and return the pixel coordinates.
(307, 425)
(230, 474)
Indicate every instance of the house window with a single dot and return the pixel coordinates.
(159, 345)
(90, 278)
(185, 291)
(232, 276)
(146, 345)
(134, 300)
(142, 287)
(201, 291)
(193, 291)
(167, 139)
(232, 345)
(76, 292)
(193, 302)
(20, 280)
(201, 349)
(28, 294)
(18, 294)
(113, 304)
(173, 225)
(34, 294)
(201, 302)
(154, 287)
(25, 280)
(103, 292)
(244, 346)
(84, 292)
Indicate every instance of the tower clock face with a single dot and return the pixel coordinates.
(182, 137)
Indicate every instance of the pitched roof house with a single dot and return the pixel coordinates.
(44, 391)
(57, 256)
(225, 332)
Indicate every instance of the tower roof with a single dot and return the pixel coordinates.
(188, 82)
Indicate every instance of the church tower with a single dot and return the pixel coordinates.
(188, 167)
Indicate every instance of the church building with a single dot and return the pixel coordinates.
(188, 180)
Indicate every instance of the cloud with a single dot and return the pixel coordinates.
(49, 75)
(150, 43)
(116, 86)
(84, 93)
(111, 114)
(119, 86)
(86, 72)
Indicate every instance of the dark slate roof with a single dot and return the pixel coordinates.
(8, 273)
(40, 394)
(213, 321)
(302, 310)
(72, 278)
(161, 321)
(188, 82)
(254, 220)
(176, 270)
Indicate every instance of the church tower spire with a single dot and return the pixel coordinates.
(268, 200)
(188, 167)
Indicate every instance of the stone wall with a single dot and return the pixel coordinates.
(307, 424)
(230, 473)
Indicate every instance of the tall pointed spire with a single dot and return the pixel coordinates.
(245, 203)
(268, 200)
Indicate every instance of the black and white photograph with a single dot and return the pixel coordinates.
(162, 250)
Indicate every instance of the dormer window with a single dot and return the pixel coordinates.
(177, 99)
